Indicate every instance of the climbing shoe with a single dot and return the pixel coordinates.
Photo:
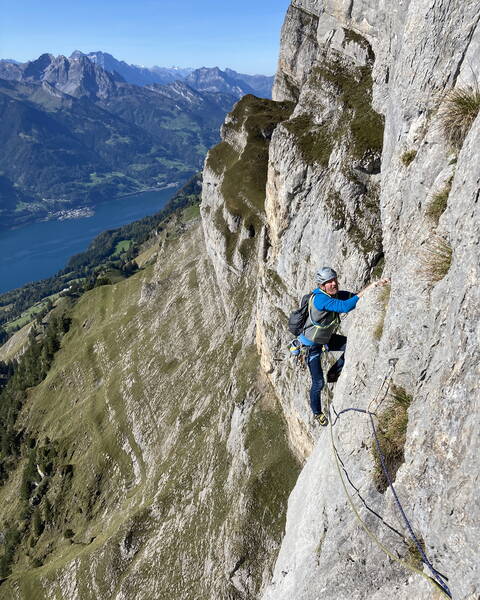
(321, 419)
(332, 376)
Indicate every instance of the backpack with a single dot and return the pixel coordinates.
(298, 318)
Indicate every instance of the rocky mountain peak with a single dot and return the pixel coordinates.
(80, 77)
(11, 70)
(35, 70)
(77, 54)
(204, 79)
(215, 80)
(134, 74)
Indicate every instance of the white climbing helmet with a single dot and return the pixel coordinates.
(325, 274)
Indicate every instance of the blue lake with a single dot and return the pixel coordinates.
(39, 250)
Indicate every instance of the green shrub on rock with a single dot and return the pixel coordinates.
(383, 300)
(349, 87)
(408, 157)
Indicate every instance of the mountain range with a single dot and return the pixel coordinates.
(208, 79)
(135, 74)
(158, 443)
(75, 132)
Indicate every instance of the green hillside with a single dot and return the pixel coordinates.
(128, 463)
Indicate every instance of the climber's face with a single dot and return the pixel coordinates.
(331, 286)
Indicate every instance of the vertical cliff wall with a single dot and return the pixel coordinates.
(361, 175)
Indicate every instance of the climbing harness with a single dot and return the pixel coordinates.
(437, 579)
(298, 352)
(301, 354)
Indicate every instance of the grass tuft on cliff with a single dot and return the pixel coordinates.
(438, 203)
(391, 431)
(408, 157)
(435, 260)
(457, 113)
(383, 300)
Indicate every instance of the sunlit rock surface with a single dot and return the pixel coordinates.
(191, 401)
(352, 176)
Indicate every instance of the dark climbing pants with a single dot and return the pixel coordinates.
(337, 343)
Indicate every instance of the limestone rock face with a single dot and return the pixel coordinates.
(355, 175)
(233, 206)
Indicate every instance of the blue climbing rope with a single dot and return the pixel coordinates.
(337, 415)
(364, 502)
(438, 576)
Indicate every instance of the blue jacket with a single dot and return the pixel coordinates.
(343, 302)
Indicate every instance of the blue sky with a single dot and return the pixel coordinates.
(243, 35)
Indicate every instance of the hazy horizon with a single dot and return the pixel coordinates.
(143, 66)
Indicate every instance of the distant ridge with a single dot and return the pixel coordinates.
(138, 75)
(211, 79)
(86, 128)
(74, 134)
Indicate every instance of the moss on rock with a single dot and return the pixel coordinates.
(352, 87)
(244, 172)
(313, 141)
(355, 121)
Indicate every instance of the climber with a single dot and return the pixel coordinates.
(324, 307)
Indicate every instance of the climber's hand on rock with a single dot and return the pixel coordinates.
(374, 284)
